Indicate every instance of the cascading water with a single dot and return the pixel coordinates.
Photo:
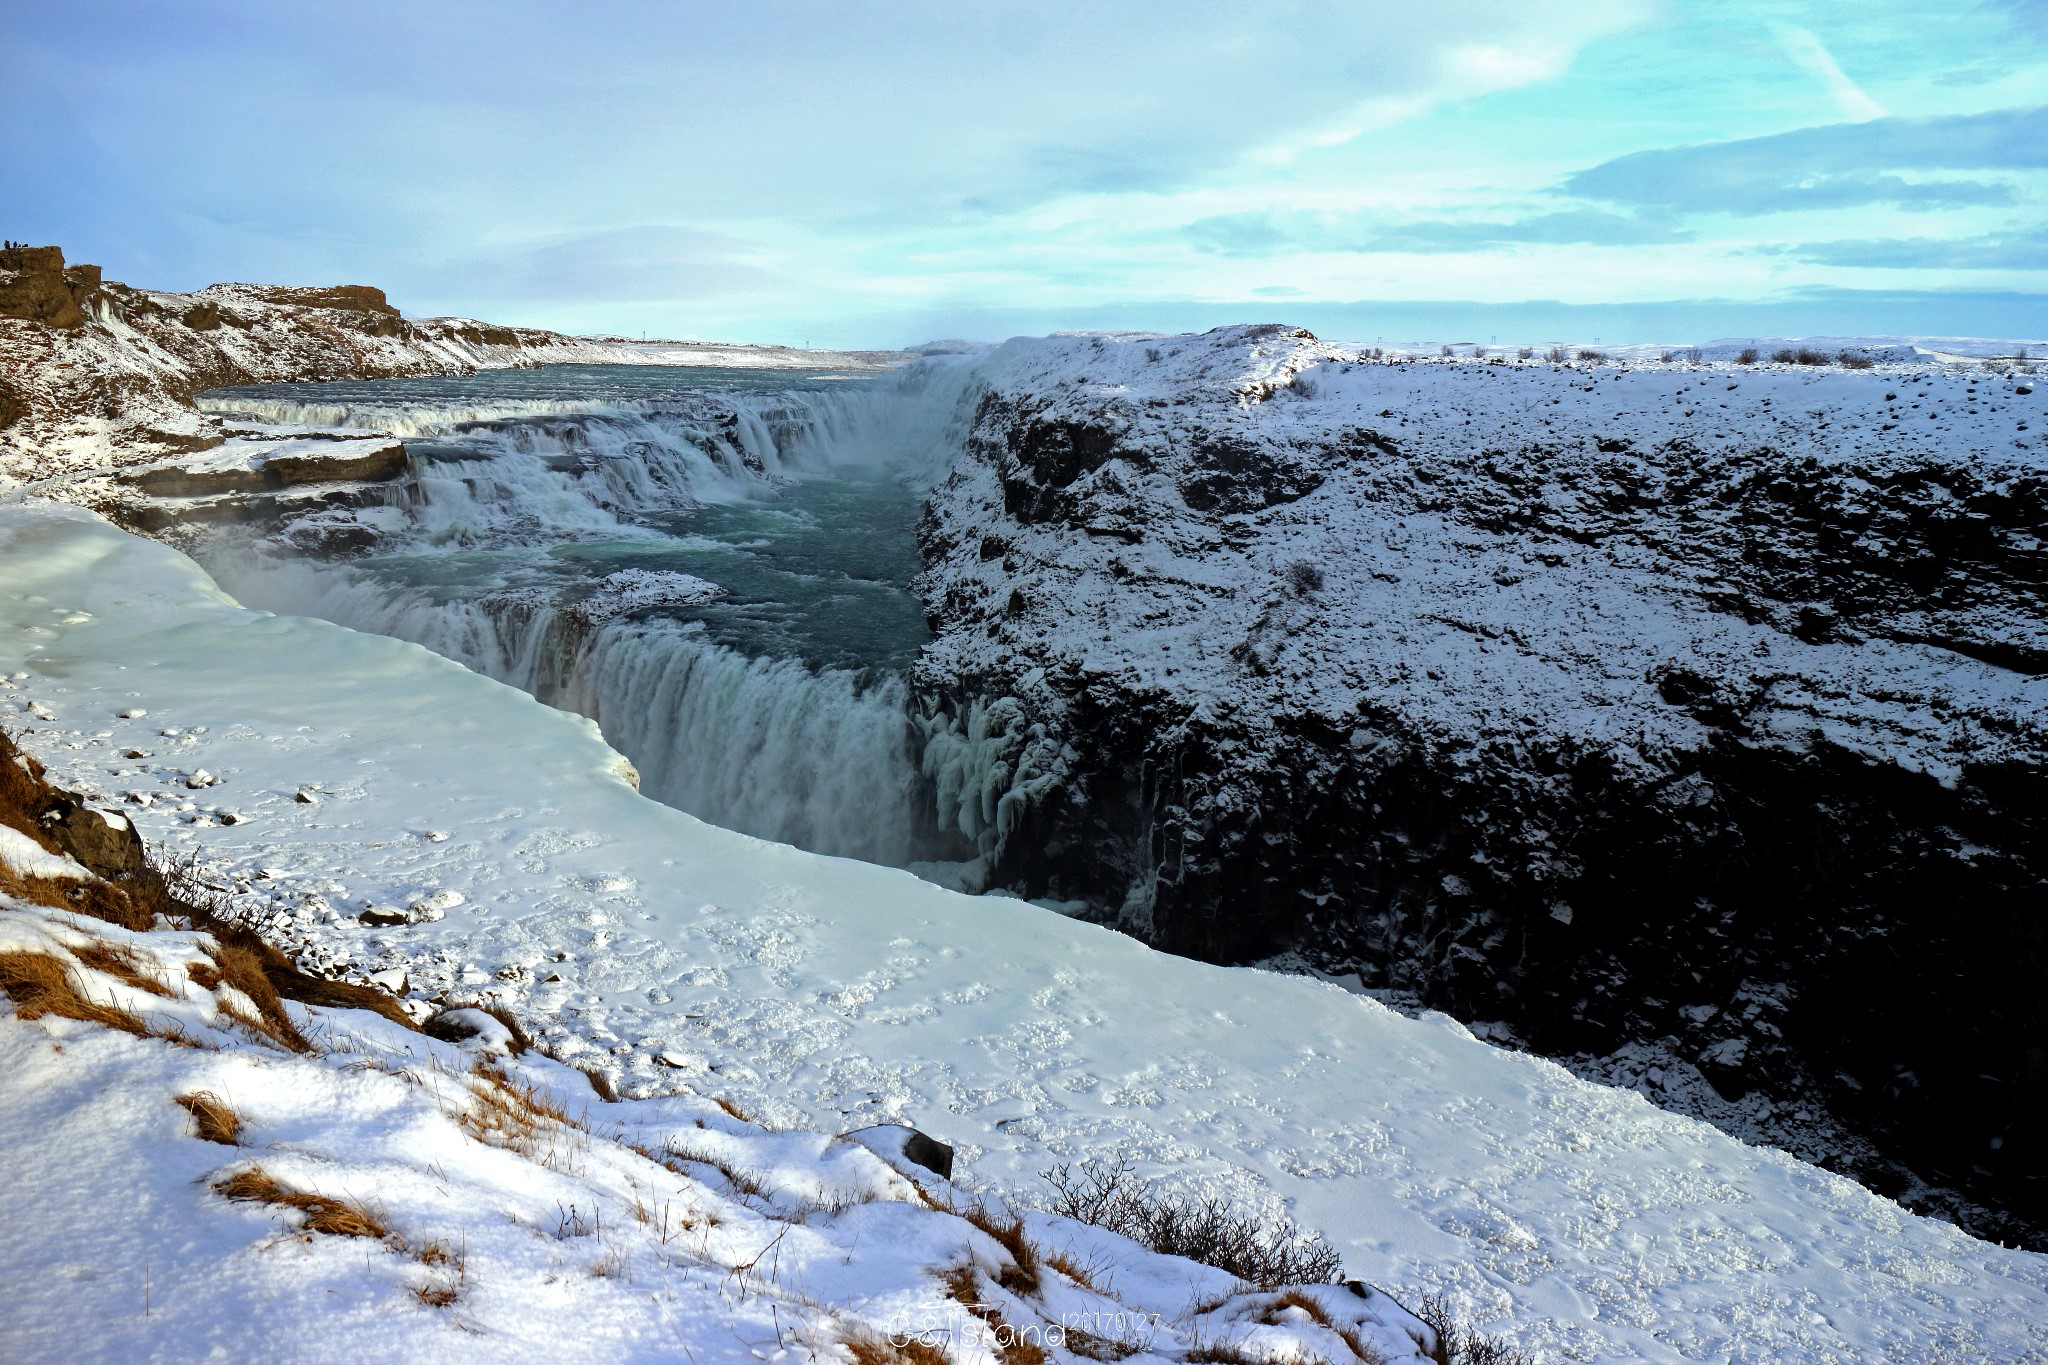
(712, 565)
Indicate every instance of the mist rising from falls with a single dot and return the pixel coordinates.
(780, 711)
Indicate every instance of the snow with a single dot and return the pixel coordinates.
(630, 590)
(29, 859)
(828, 995)
(1479, 579)
(577, 1229)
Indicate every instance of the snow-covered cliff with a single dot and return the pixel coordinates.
(1685, 716)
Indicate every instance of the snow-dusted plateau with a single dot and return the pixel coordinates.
(1094, 749)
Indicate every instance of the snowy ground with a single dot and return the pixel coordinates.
(829, 994)
(482, 1201)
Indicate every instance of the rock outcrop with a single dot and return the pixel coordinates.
(1689, 713)
(36, 287)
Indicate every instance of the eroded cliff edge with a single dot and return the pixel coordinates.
(1684, 721)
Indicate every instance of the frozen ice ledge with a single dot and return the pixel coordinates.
(828, 994)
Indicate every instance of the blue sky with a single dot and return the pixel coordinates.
(891, 172)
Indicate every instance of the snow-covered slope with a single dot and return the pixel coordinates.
(829, 994)
(205, 1185)
(1688, 717)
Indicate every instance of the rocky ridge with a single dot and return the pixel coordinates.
(1682, 719)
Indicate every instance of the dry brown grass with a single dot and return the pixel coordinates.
(317, 1212)
(175, 889)
(1012, 1346)
(731, 1109)
(600, 1083)
(40, 984)
(450, 1031)
(212, 1117)
(1021, 1276)
(241, 966)
(445, 1260)
(1072, 1269)
(871, 1350)
(1295, 1298)
(121, 964)
(1222, 1353)
(101, 900)
(743, 1181)
(509, 1113)
(29, 804)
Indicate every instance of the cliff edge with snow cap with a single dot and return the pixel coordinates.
(1686, 717)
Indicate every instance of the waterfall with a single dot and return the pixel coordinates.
(823, 759)
(480, 556)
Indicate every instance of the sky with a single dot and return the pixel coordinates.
(892, 172)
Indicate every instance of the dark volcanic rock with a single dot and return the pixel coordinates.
(1691, 709)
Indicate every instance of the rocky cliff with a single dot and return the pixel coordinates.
(1687, 721)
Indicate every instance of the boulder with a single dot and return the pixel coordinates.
(900, 1142)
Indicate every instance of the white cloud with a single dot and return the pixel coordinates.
(1812, 56)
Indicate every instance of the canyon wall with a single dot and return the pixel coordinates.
(1693, 715)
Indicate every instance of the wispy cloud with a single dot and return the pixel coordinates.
(2019, 251)
(1812, 55)
(1259, 234)
(1833, 166)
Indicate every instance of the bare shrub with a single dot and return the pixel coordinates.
(1556, 355)
(1592, 357)
(1304, 577)
(1456, 1346)
(1109, 1194)
(1525, 352)
(1849, 360)
(212, 1118)
(1782, 357)
(1746, 356)
(1447, 352)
